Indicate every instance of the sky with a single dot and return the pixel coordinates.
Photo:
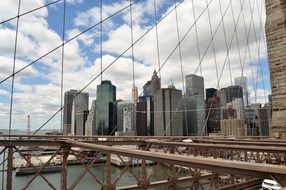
(235, 25)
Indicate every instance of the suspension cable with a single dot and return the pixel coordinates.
(109, 65)
(63, 57)
(13, 70)
(30, 11)
(225, 39)
(181, 64)
(157, 38)
(213, 44)
(197, 36)
(67, 41)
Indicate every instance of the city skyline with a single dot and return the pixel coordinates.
(82, 56)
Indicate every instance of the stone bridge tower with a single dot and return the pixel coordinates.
(276, 42)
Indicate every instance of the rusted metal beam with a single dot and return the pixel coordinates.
(244, 185)
(19, 142)
(234, 167)
(66, 151)
(9, 168)
(161, 183)
(223, 146)
(275, 143)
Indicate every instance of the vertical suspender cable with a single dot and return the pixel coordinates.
(63, 57)
(258, 46)
(247, 49)
(132, 45)
(181, 64)
(226, 44)
(13, 71)
(197, 36)
(157, 39)
(212, 41)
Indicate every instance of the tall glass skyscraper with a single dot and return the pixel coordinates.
(242, 81)
(105, 108)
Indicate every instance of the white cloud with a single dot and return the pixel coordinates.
(41, 98)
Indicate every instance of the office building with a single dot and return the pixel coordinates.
(210, 93)
(167, 118)
(155, 83)
(126, 111)
(145, 116)
(234, 92)
(194, 85)
(242, 81)
(105, 108)
(194, 116)
(222, 94)
(257, 120)
(67, 116)
(90, 124)
(79, 108)
(147, 89)
(213, 114)
(81, 117)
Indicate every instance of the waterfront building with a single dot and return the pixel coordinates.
(90, 124)
(145, 116)
(234, 92)
(210, 93)
(81, 117)
(105, 108)
(242, 81)
(167, 114)
(67, 115)
(194, 116)
(155, 83)
(79, 108)
(257, 120)
(222, 94)
(126, 112)
(194, 85)
(213, 114)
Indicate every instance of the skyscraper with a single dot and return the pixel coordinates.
(105, 108)
(167, 118)
(79, 113)
(194, 116)
(234, 92)
(68, 102)
(145, 107)
(155, 83)
(129, 108)
(242, 81)
(194, 104)
(210, 93)
(194, 85)
(90, 124)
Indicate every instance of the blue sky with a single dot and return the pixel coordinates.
(37, 88)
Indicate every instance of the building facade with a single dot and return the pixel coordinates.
(194, 85)
(90, 124)
(167, 118)
(242, 81)
(126, 109)
(67, 116)
(79, 109)
(105, 108)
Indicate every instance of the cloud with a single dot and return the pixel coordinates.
(37, 88)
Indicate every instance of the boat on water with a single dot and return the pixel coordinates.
(28, 170)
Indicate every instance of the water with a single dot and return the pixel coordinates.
(87, 182)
